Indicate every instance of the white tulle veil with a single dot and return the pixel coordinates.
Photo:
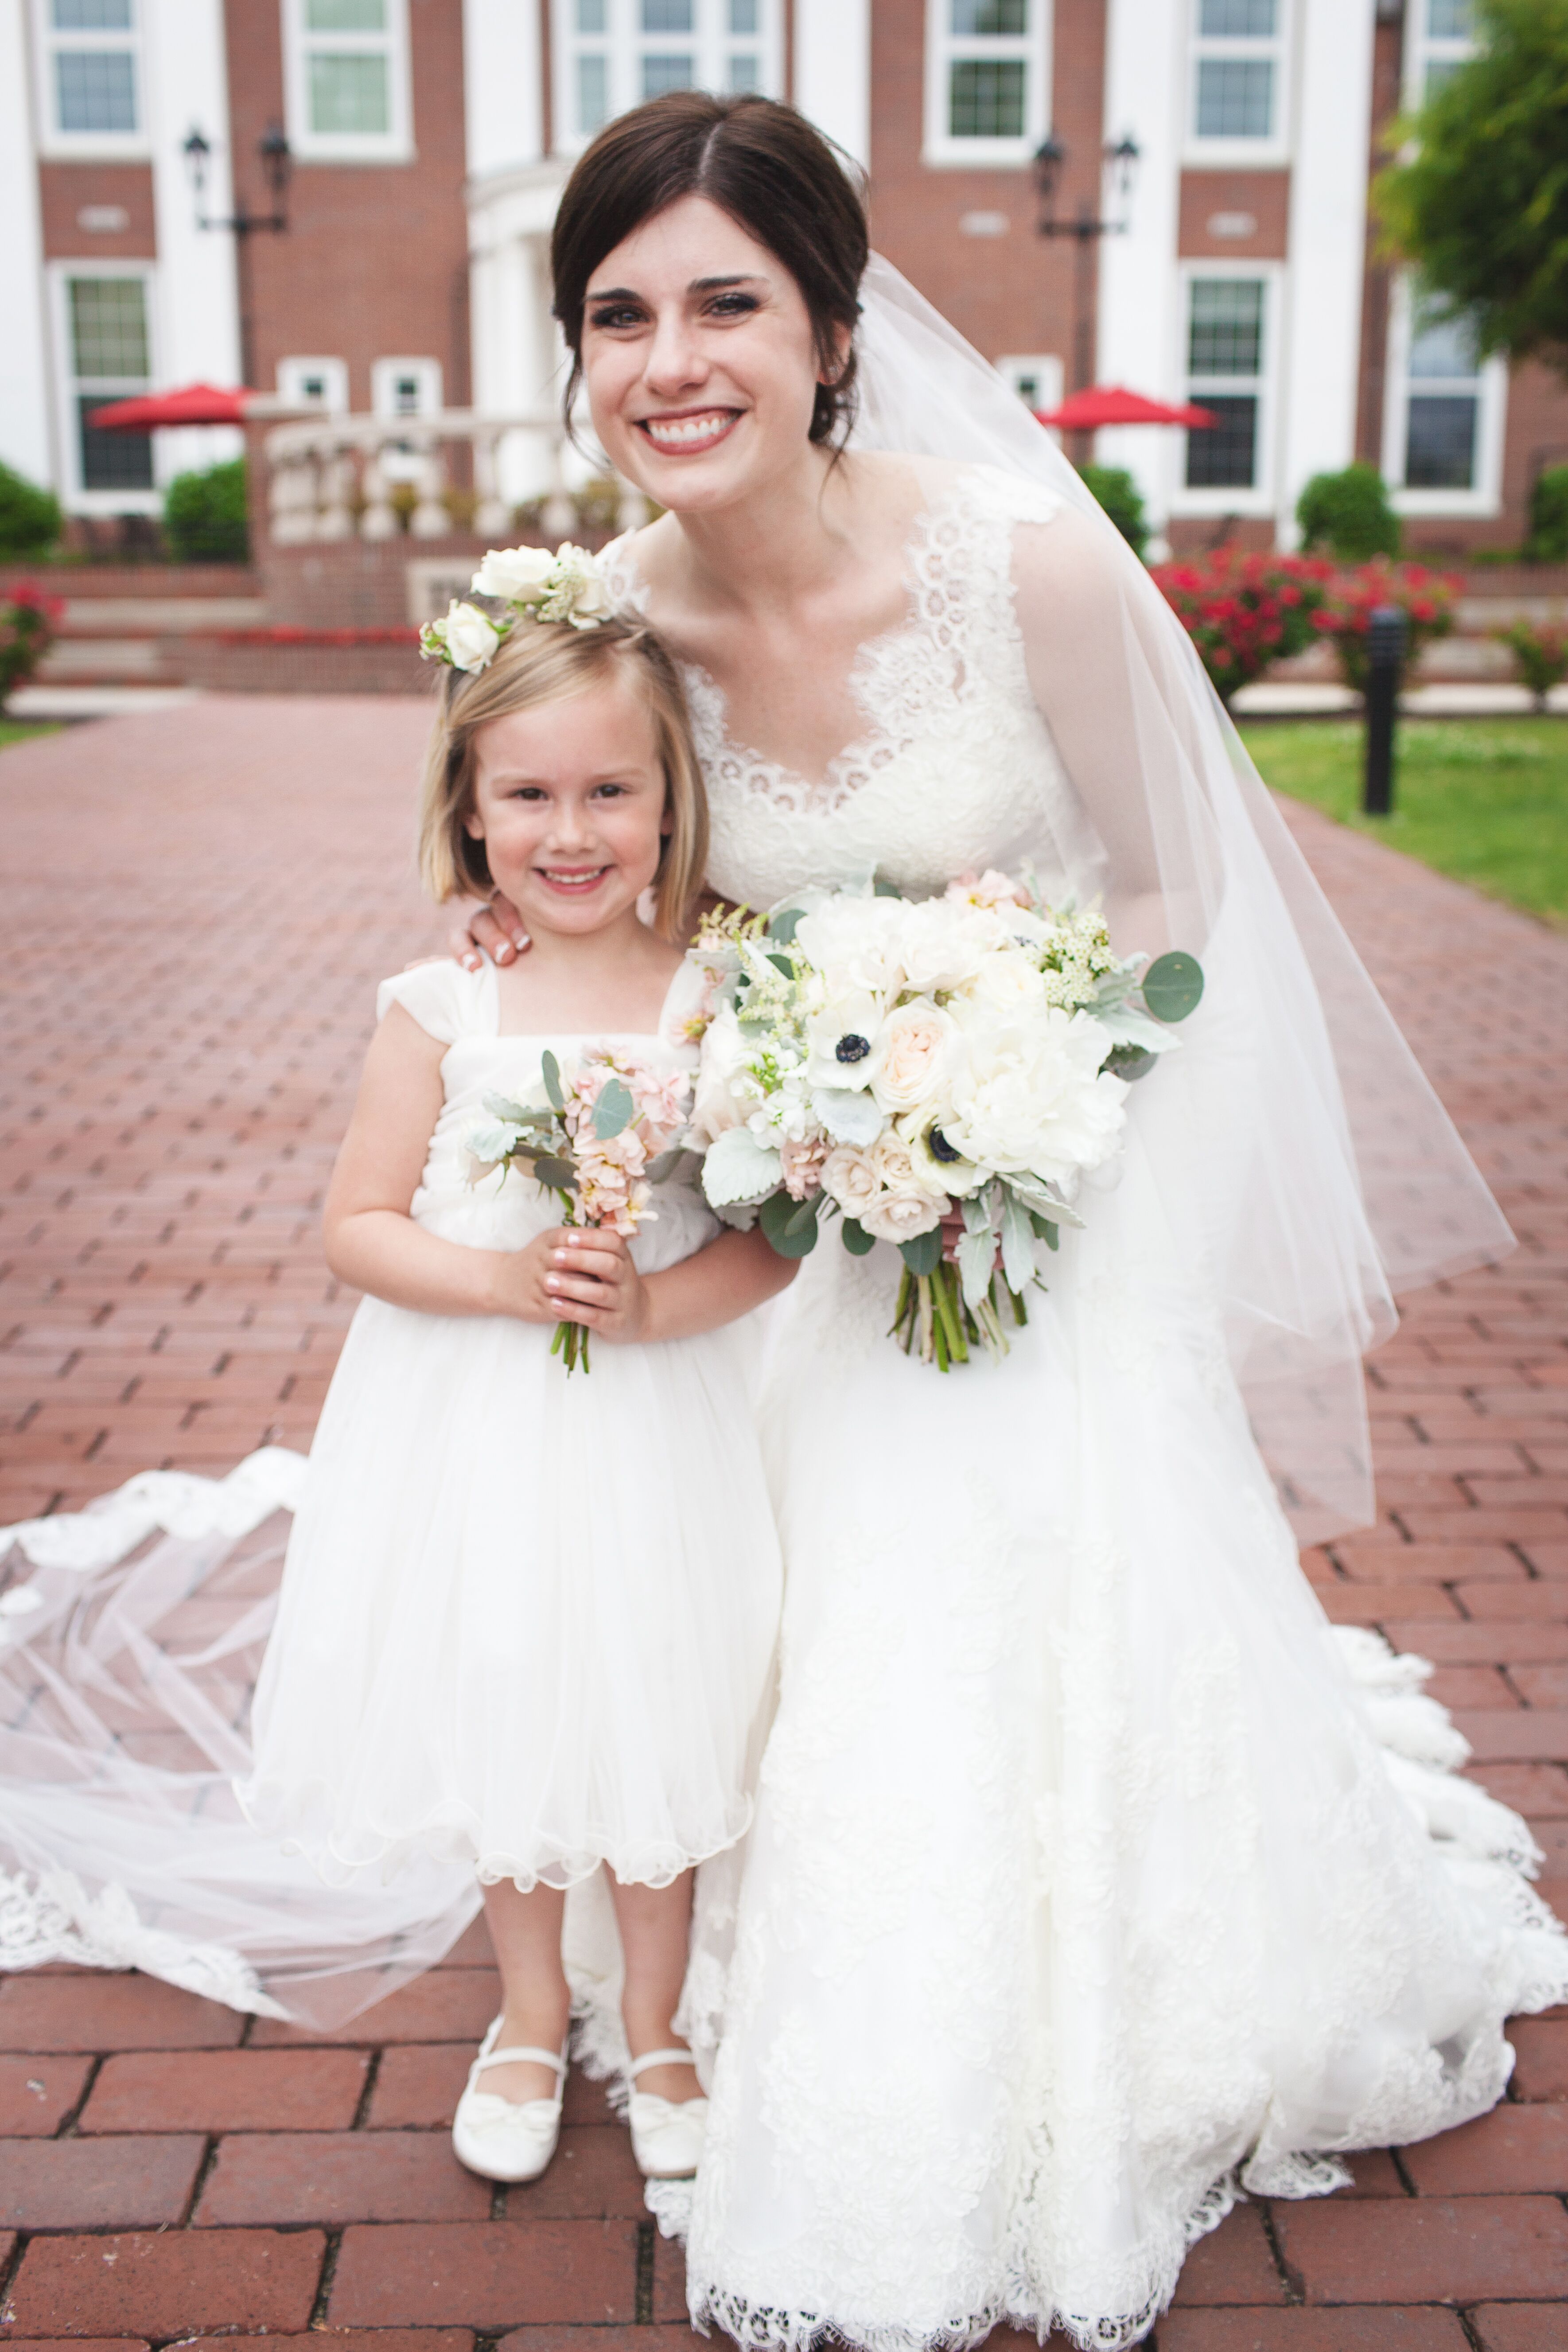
(1304, 1162)
(1303, 1153)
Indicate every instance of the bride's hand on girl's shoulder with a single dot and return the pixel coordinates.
(497, 930)
(576, 1273)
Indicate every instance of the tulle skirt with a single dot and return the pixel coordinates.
(528, 1618)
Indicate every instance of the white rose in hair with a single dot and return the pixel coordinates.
(513, 574)
(917, 1050)
(467, 636)
(591, 601)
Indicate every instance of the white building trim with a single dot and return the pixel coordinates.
(1223, 52)
(503, 86)
(1140, 317)
(26, 439)
(1320, 329)
(618, 52)
(1489, 384)
(949, 51)
(198, 304)
(74, 494)
(833, 71)
(51, 45)
(1232, 498)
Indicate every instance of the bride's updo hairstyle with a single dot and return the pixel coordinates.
(757, 161)
(548, 661)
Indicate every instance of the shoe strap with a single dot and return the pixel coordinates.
(524, 2051)
(659, 2058)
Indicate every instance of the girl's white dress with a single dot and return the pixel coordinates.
(528, 1618)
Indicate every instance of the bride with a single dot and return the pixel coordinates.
(1093, 1881)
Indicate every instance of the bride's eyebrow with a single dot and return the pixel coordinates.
(698, 286)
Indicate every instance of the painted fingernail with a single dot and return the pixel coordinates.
(502, 952)
(521, 941)
(551, 1282)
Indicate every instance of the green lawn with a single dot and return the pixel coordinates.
(22, 731)
(1485, 800)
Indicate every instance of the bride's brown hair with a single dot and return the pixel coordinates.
(757, 161)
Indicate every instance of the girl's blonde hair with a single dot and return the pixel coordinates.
(548, 661)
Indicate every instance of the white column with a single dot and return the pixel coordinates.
(196, 323)
(833, 71)
(1140, 321)
(25, 438)
(503, 95)
(1320, 363)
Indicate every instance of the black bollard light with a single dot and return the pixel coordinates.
(1384, 660)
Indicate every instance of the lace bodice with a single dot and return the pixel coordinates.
(955, 768)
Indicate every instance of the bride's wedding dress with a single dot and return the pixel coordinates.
(1080, 1890)
(1094, 1879)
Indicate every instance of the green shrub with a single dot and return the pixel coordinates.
(1348, 515)
(1114, 488)
(1539, 655)
(1548, 540)
(204, 516)
(27, 624)
(30, 517)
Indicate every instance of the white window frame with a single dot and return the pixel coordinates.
(384, 375)
(106, 145)
(622, 44)
(1421, 50)
(1214, 152)
(293, 373)
(392, 145)
(75, 496)
(1044, 367)
(946, 48)
(1485, 497)
(1260, 499)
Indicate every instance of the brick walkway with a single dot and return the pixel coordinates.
(197, 904)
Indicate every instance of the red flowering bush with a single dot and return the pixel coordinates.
(1426, 598)
(28, 622)
(1245, 612)
(1539, 655)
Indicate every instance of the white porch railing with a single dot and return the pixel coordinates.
(371, 476)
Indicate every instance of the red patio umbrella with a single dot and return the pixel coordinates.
(194, 403)
(1085, 412)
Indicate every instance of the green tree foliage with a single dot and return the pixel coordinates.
(204, 516)
(1348, 515)
(1114, 488)
(1548, 540)
(30, 517)
(1481, 202)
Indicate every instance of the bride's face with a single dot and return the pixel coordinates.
(699, 359)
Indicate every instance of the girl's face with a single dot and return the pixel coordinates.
(699, 358)
(569, 801)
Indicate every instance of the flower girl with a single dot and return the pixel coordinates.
(527, 1616)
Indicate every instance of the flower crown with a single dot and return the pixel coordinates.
(565, 586)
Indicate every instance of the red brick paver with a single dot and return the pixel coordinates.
(197, 906)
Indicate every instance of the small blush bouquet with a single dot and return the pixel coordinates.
(889, 1061)
(608, 1130)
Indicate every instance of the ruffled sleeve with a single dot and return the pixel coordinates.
(448, 1002)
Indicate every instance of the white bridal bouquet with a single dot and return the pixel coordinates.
(888, 1061)
(608, 1129)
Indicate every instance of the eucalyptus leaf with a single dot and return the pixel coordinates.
(550, 1069)
(1017, 1246)
(1130, 1062)
(977, 1262)
(880, 890)
(924, 1253)
(614, 1111)
(558, 1174)
(782, 926)
(782, 963)
(1172, 985)
(856, 1240)
(790, 1226)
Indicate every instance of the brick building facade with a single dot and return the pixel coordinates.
(430, 139)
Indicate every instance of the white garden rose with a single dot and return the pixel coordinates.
(1032, 1099)
(717, 1104)
(853, 943)
(899, 1217)
(942, 942)
(516, 574)
(468, 637)
(850, 1177)
(1009, 983)
(915, 1056)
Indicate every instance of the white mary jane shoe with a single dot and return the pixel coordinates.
(666, 2134)
(503, 2139)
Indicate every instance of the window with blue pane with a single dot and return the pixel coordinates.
(1238, 63)
(612, 53)
(1227, 320)
(93, 71)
